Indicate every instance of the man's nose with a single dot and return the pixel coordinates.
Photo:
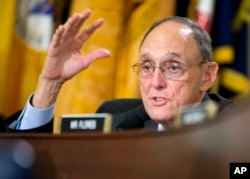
(158, 79)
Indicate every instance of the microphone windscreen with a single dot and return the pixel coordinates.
(134, 119)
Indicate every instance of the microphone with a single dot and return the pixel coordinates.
(134, 119)
(186, 115)
(131, 123)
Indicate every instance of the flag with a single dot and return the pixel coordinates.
(7, 9)
(86, 91)
(204, 14)
(229, 34)
(141, 17)
(29, 41)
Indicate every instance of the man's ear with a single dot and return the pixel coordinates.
(209, 76)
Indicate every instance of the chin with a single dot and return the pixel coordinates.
(160, 118)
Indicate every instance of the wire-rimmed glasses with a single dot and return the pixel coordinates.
(171, 70)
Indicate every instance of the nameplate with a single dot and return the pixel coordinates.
(85, 123)
(191, 114)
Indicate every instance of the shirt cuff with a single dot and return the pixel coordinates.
(32, 117)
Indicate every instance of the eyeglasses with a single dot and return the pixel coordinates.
(170, 70)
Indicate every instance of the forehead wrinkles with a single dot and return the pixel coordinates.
(174, 37)
(164, 57)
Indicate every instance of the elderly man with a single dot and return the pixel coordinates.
(175, 68)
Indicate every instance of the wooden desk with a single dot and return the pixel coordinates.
(201, 151)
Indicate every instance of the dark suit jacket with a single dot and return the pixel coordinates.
(127, 114)
(130, 113)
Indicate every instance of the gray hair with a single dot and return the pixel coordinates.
(202, 37)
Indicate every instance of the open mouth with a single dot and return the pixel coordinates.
(158, 101)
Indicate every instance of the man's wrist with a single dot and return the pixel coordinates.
(33, 117)
(46, 93)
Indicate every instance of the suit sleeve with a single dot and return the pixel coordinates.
(5, 125)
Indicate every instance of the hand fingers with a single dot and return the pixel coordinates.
(73, 25)
(97, 54)
(83, 62)
(87, 32)
(70, 28)
(56, 39)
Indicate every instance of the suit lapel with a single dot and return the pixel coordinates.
(150, 124)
